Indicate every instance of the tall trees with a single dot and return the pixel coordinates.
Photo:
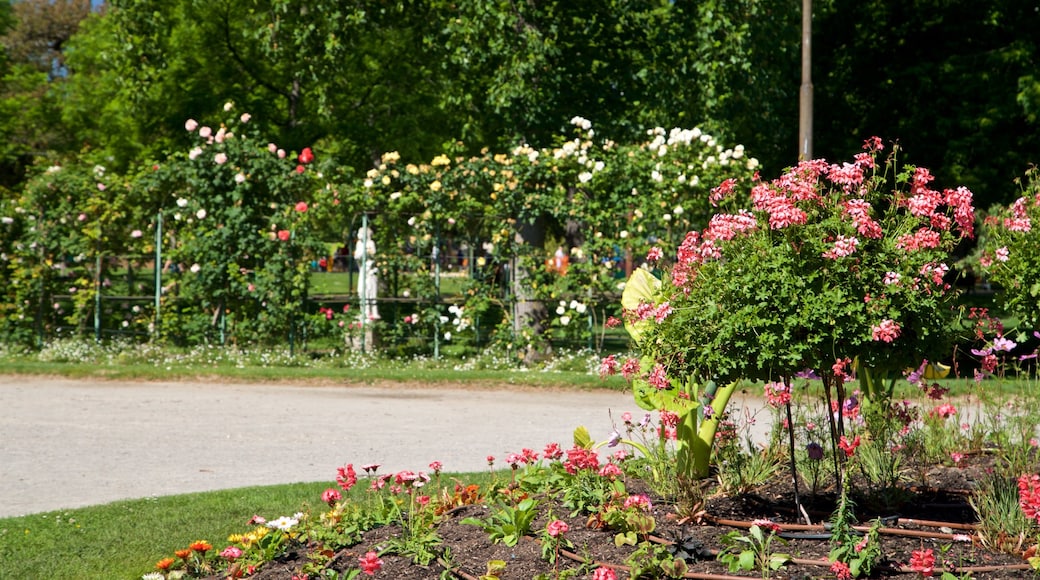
(942, 77)
(34, 37)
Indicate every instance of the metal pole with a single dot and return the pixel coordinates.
(805, 101)
(292, 319)
(362, 282)
(97, 294)
(158, 273)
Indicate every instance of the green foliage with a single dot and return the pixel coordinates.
(951, 81)
(753, 551)
(508, 523)
(861, 554)
(1010, 256)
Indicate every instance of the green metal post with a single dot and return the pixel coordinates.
(158, 273)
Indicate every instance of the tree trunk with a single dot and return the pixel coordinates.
(530, 316)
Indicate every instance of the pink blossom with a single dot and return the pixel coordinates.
(841, 571)
(552, 451)
(231, 553)
(887, 331)
(370, 563)
(331, 496)
(556, 528)
(284, 235)
(245, 118)
(630, 368)
(610, 471)
(891, 278)
(923, 238)
(1002, 254)
(190, 125)
(101, 187)
(136, 234)
(281, 153)
(638, 501)
(220, 158)
(436, 466)
(722, 191)
(608, 366)
(604, 573)
(658, 378)
(1002, 344)
(205, 132)
(662, 312)
(654, 254)
(346, 477)
(945, 411)
(272, 147)
(923, 562)
(301, 206)
(847, 175)
(843, 246)
(777, 394)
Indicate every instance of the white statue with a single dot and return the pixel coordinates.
(368, 275)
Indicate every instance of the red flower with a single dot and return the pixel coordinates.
(284, 235)
(346, 477)
(923, 562)
(848, 447)
(306, 156)
(1029, 496)
(370, 563)
(301, 206)
(841, 571)
(300, 169)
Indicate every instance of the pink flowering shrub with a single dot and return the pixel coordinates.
(1010, 256)
(830, 262)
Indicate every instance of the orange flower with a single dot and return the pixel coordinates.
(201, 546)
(164, 564)
(182, 554)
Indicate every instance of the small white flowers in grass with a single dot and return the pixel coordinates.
(195, 268)
(201, 214)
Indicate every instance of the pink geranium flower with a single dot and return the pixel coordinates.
(556, 528)
(370, 563)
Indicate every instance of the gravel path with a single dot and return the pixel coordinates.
(69, 443)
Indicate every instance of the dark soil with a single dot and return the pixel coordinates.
(941, 498)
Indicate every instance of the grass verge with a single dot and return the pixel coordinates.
(124, 539)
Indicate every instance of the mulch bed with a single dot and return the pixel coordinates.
(936, 511)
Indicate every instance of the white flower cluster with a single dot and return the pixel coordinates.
(568, 311)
